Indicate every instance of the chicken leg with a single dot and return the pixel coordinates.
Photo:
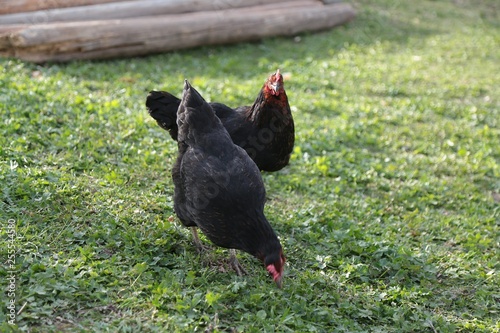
(199, 246)
(235, 263)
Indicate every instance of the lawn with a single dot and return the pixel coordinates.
(388, 212)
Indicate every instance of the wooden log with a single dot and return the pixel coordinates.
(105, 31)
(62, 27)
(136, 8)
(141, 36)
(127, 30)
(6, 31)
(19, 6)
(12, 27)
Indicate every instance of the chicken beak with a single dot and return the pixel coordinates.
(279, 282)
(276, 88)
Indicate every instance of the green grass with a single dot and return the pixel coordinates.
(388, 212)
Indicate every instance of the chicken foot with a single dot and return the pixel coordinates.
(199, 246)
(235, 264)
(233, 261)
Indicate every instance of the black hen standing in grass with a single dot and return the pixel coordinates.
(265, 129)
(219, 189)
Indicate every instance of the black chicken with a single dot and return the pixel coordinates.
(265, 129)
(219, 189)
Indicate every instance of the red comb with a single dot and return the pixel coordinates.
(278, 75)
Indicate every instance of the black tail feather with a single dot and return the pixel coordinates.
(162, 107)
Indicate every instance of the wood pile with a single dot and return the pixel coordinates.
(55, 30)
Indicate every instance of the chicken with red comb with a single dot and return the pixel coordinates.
(265, 129)
(219, 189)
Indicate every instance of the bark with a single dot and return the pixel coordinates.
(18, 6)
(126, 9)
